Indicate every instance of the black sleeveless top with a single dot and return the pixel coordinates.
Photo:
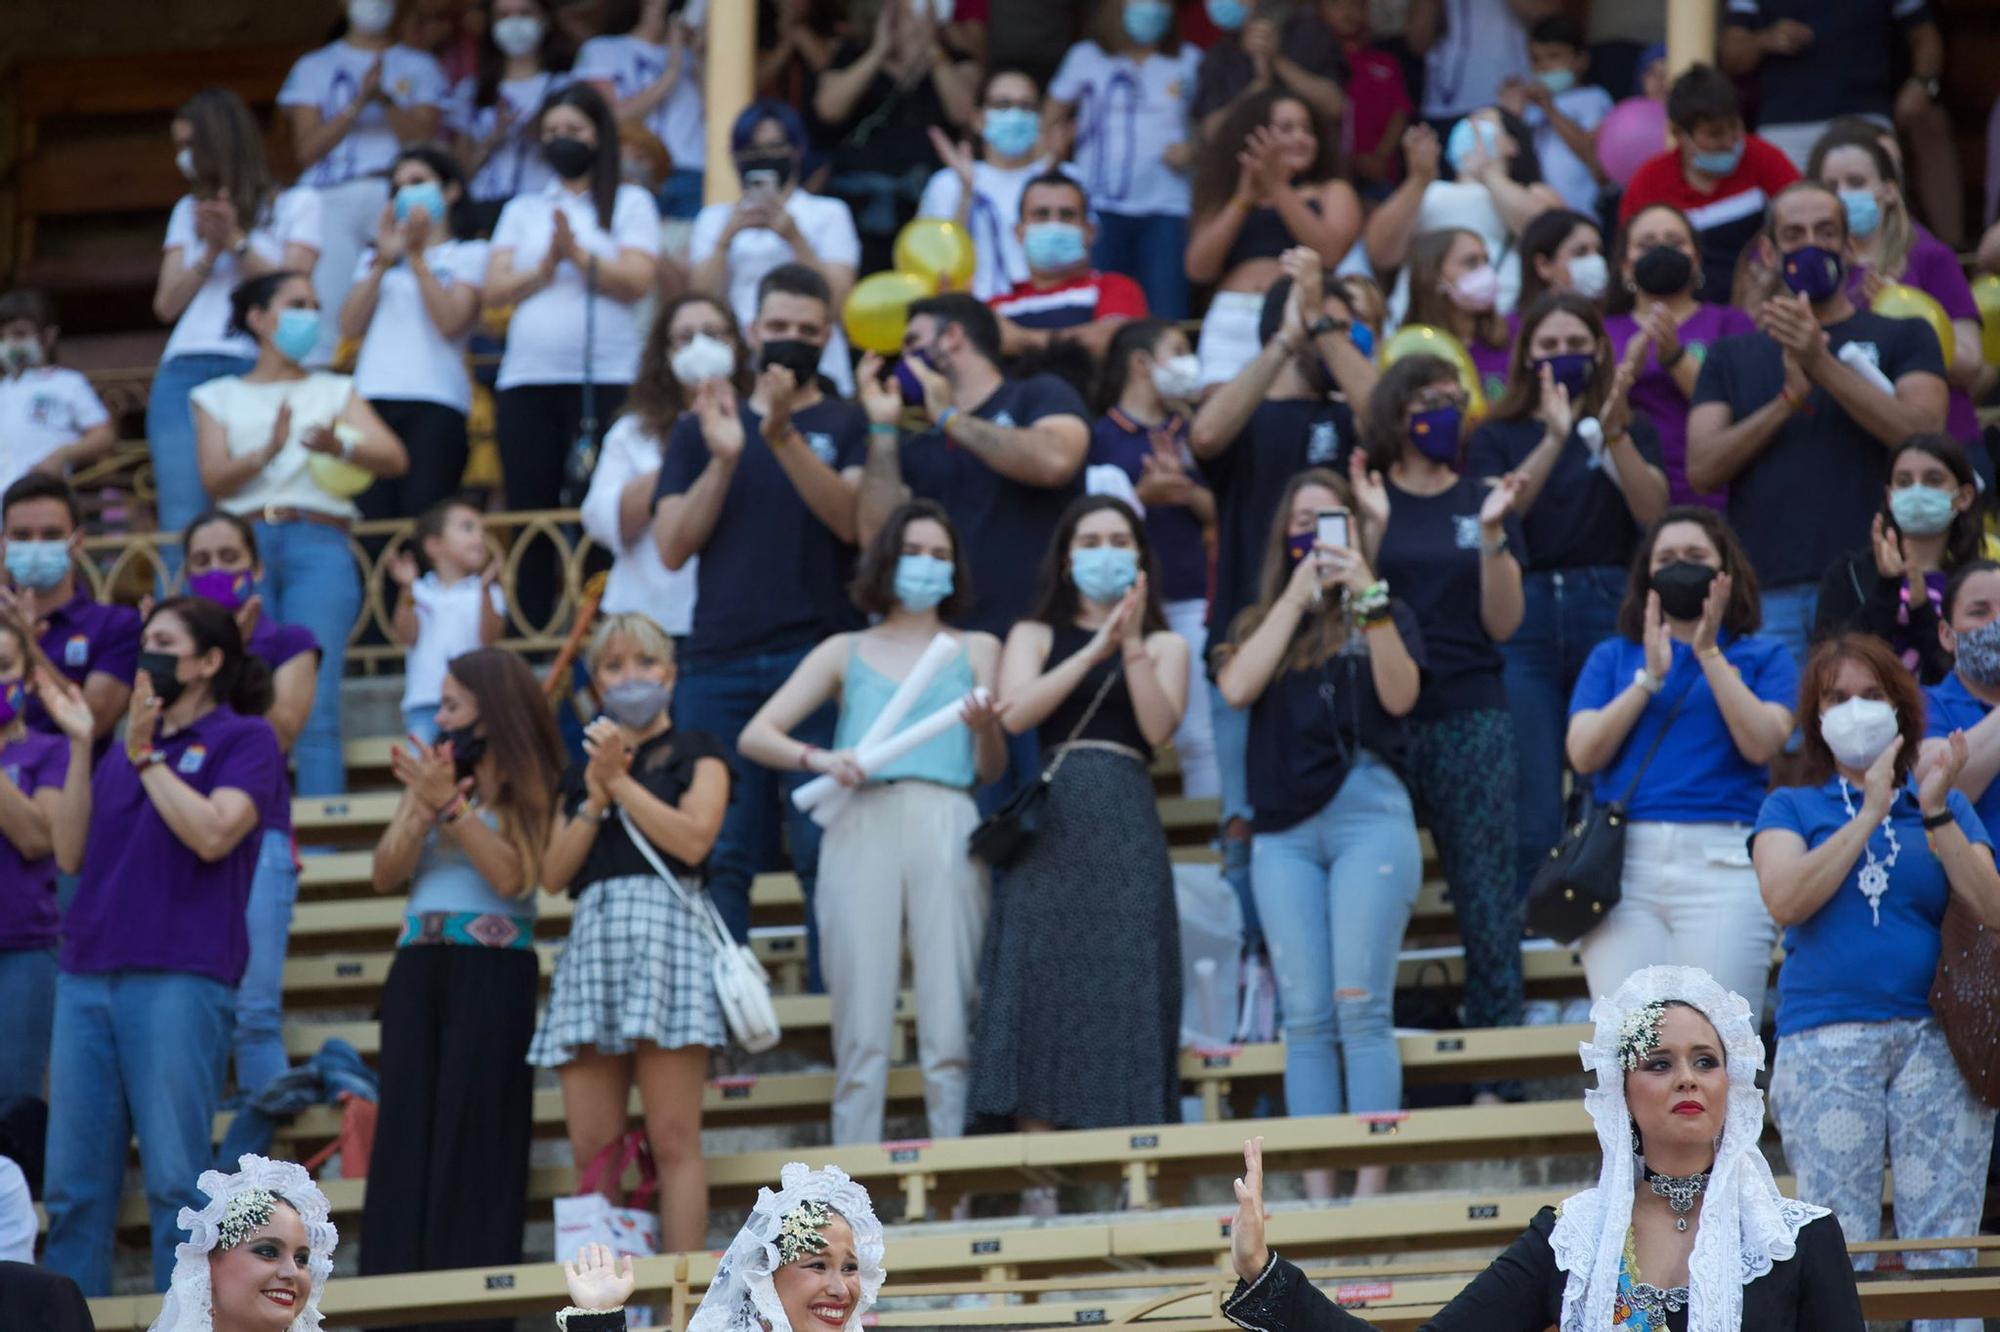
(1264, 236)
(1115, 721)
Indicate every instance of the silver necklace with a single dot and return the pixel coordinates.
(1873, 881)
(1680, 1191)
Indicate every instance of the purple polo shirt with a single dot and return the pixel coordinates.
(85, 635)
(1934, 270)
(146, 901)
(28, 887)
(277, 644)
(1657, 398)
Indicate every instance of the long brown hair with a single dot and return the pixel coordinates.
(657, 396)
(1428, 303)
(1216, 172)
(1745, 612)
(1321, 634)
(521, 745)
(1524, 386)
(229, 153)
(1899, 687)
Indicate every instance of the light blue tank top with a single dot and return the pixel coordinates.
(445, 880)
(865, 691)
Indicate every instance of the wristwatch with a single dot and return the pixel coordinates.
(1646, 681)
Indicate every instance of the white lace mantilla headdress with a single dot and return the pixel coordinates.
(782, 1227)
(237, 1205)
(1746, 1224)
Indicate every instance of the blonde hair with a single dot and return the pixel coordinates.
(641, 629)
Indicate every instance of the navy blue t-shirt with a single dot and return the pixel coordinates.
(1847, 69)
(1282, 439)
(1580, 520)
(1810, 493)
(1430, 557)
(1307, 726)
(1004, 527)
(1175, 533)
(772, 576)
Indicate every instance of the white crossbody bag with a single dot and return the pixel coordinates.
(741, 984)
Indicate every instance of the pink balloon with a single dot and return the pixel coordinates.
(1635, 130)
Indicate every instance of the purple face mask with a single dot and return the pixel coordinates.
(913, 391)
(1299, 546)
(227, 590)
(13, 695)
(1435, 433)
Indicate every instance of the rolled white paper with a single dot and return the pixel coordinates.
(824, 798)
(935, 657)
(1862, 364)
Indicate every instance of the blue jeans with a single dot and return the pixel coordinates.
(1569, 612)
(1151, 249)
(422, 722)
(260, 1025)
(1231, 729)
(680, 195)
(170, 438)
(309, 580)
(1788, 617)
(135, 1052)
(27, 1009)
(720, 697)
(1336, 891)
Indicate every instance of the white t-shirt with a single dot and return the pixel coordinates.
(447, 626)
(1481, 46)
(546, 335)
(515, 165)
(1564, 171)
(1451, 204)
(1128, 113)
(203, 328)
(996, 207)
(640, 580)
(247, 413)
(827, 226)
(17, 1215)
(632, 66)
(330, 78)
(41, 410)
(403, 355)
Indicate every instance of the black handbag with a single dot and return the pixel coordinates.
(1003, 836)
(1583, 878)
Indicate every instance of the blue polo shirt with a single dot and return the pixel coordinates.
(1840, 965)
(1950, 706)
(1698, 776)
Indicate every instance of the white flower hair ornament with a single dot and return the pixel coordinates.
(782, 1228)
(238, 1206)
(1746, 1224)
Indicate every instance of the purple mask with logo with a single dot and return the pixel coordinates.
(227, 590)
(1813, 272)
(1435, 433)
(1299, 546)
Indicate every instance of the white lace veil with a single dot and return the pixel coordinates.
(189, 1305)
(742, 1297)
(1746, 1224)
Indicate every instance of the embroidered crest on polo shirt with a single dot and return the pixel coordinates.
(1466, 530)
(1321, 444)
(822, 446)
(191, 760)
(76, 652)
(42, 410)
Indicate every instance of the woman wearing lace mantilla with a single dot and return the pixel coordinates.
(1685, 1231)
(258, 1256)
(809, 1259)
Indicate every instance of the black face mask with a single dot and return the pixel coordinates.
(1662, 271)
(569, 158)
(1683, 588)
(467, 748)
(801, 358)
(161, 668)
(778, 162)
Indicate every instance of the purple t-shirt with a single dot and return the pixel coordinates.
(82, 636)
(28, 887)
(277, 644)
(1934, 270)
(1491, 363)
(1656, 398)
(146, 901)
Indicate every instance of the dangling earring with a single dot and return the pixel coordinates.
(1638, 1143)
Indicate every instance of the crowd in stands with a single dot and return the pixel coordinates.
(1655, 504)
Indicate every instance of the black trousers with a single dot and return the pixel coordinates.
(448, 1181)
(434, 437)
(536, 425)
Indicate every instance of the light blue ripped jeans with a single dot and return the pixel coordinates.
(1335, 893)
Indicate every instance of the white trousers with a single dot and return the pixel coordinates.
(349, 213)
(895, 857)
(1690, 899)
(1194, 738)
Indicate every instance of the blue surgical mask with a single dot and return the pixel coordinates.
(1556, 80)
(1571, 369)
(1922, 510)
(1051, 246)
(1104, 573)
(1146, 20)
(1721, 162)
(39, 565)
(1864, 211)
(1228, 15)
(922, 581)
(425, 195)
(1458, 147)
(297, 333)
(1813, 271)
(1011, 131)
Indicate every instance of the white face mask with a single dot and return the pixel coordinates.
(184, 162)
(1858, 730)
(370, 18)
(518, 36)
(1589, 276)
(703, 358)
(1178, 378)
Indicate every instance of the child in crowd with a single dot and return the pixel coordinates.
(454, 608)
(50, 418)
(1563, 110)
(1378, 103)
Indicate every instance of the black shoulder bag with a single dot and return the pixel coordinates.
(1004, 836)
(1583, 878)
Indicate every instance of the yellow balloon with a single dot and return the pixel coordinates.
(1898, 301)
(938, 251)
(1986, 294)
(339, 477)
(1429, 340)
(879, 307)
